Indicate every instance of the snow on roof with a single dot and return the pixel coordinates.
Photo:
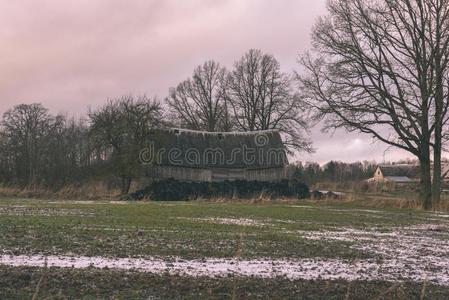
(252, 133)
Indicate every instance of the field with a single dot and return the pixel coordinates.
(62, 249)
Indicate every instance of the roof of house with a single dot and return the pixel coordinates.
(399, 179)
(411, 171)
(233, 150)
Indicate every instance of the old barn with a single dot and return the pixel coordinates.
(188, 155)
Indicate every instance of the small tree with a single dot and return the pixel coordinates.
(124, 125)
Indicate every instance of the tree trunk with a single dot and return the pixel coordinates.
(440, 68)
(425, 183)
(436, 184)
(126, 185)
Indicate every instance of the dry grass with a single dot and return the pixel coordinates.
(390, 201)
(379, 196)
(89, 191)
(100, 191)
(95, 191)
(384, 201)
(442, 206)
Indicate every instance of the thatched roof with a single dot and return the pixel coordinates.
(233, 150)
(410, 171)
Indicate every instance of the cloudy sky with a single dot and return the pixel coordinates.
(71, 55)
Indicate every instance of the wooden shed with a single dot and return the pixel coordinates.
(188, 155)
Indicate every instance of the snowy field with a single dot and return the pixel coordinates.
(307, 243)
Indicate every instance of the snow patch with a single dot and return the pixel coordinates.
(307, 269)
(228, 221)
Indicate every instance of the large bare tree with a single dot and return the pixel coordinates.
(437, 33)
(198, 103)
(262, 98)
(381, 67)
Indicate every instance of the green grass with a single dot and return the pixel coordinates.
(172, 229)
(175, 229)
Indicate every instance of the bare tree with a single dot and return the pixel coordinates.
(124, 125)
(262, 98)
(26, 132)
(38, 148)
(374, 70)
(198, 102)
(69, 155)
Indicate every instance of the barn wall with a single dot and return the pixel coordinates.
(179, 173)
(228, 174)
(217, 175)
(274, 174)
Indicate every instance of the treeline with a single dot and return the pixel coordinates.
(38, 148)
(332, 172)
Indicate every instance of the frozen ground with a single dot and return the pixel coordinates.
(204, 241)
(414, 253)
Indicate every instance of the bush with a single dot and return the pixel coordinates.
(173, 190)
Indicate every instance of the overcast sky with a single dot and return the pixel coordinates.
(70, 55)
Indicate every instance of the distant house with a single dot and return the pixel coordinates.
(396, 174)
(188, 155)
